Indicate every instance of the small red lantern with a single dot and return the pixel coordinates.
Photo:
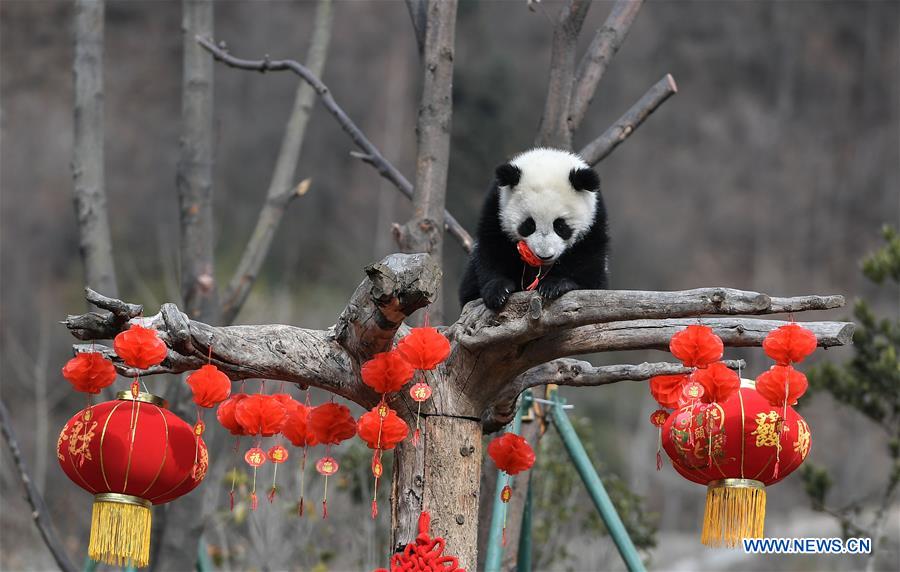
(719, 383)
(140, 347)
(512, 454)
(225, 414)
(789, 344)
(260, 414)
(209, 386)
(733, 448)
(424, 348)
(658, 419)
(329, 424)
(387, 372)
(130, 453)
(381, 429)
(89, 372)
(697, 346)
(295, 426)
(666, 389)
(782, 384)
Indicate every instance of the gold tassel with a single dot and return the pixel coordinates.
(120, 530)
(735, 509)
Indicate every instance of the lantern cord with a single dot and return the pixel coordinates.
(274, 489)
(659, 450)
(254, 502)
(302, 481)
(325, 500)
(416, 432)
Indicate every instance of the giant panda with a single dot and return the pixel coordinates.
(550, 199)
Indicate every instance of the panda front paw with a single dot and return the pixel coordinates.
(552, 288)
(496, 292)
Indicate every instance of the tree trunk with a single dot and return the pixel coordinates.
(449, 457)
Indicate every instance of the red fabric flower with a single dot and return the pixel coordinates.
(260, 415)
(771, 384)
(140, 347)
(89, 372)
(209, 386)
(424, 348)
(697, 346)
(719, 383)
(527, 256)
(511, 453)
(393, 429)
(331, 423)
(225, 414)
(789, 344)
(295, 425)
(387, 372)
(666, 389)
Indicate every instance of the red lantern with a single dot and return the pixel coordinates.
(89, 372)
(260, 414)
(697, 346)
(424, 348)
(140, 347)
(387, 372)
(719, 383)
(130, 453)
(209, 386)
(225, 414)
(511, 453)
(733, 447)
(331, 423)
(782, 384)
(382, 433)
(789, 344)
(295, 426)
(666, 389)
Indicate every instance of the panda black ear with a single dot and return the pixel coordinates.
(508, 175)
(585, 179)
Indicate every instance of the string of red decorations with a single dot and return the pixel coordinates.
(259, 415)
(296, 430)
(424, 349)
(381, 429)
(512, 454)
(330, 424)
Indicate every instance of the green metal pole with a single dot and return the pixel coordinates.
(595, 487)
(523, 560)
(204, 562)
(494, 557)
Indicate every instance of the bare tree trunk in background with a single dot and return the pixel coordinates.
(425, 231)
(87, 153)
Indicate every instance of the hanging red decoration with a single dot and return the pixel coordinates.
(424, 554)
(285, 399)
(424, 348)
(527, 256)
(295, 426)
(782, 383)
(209, 386)
(225, 414)
(130, 453)
(260, 414)
(387, 372)
(511, 453)
(666, 389)
(733, 448)
(697, 346)
(382, 433)
(277, 454)
(89, 372)
(789, 344)
(658, 419)
(331, 423)
(719, 383)
(140, 347)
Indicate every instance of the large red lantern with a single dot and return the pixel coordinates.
(734, 448)
(130, 453)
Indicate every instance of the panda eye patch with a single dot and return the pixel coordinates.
(562, 229)
(527, 227)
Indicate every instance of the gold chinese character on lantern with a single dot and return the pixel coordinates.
(767, 429)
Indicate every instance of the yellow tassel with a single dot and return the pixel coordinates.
(735, 509)
(120, 530)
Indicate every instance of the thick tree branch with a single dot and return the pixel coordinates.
(599, 148)
(554, 129)
(576, 373)
(373, 156)
(39, 512)
(607, 41)
(89, 191)
(281, 192)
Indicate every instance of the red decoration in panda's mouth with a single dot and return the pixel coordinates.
(527, 256)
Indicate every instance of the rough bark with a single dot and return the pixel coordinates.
(424, 231)
(281, 189)
(88, 149)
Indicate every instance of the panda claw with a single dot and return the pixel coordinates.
(552, 289)
(495, 293)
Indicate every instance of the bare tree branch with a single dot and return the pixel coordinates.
(419, 17)
(599, 148)
(423, 232)
(576, 373)
(87, 149)
(194, 176)
(39, 512)
(372, 155)
(554, 129)
(281, 192)
(607, 41)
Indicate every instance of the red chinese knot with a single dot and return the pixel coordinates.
(140, 347)
(89, 372)
(424, 554)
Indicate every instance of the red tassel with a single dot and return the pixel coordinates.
(533, 285)
(416, 438)
(300, 507)
(504, 536)
(374, 509)
(658, 461)
(231, 499)
(271, 495)
(324, 509)
(775, 471)
(254, 502)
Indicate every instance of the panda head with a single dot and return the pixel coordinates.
(548, 198)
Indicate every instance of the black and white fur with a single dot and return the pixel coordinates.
(551, 200)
